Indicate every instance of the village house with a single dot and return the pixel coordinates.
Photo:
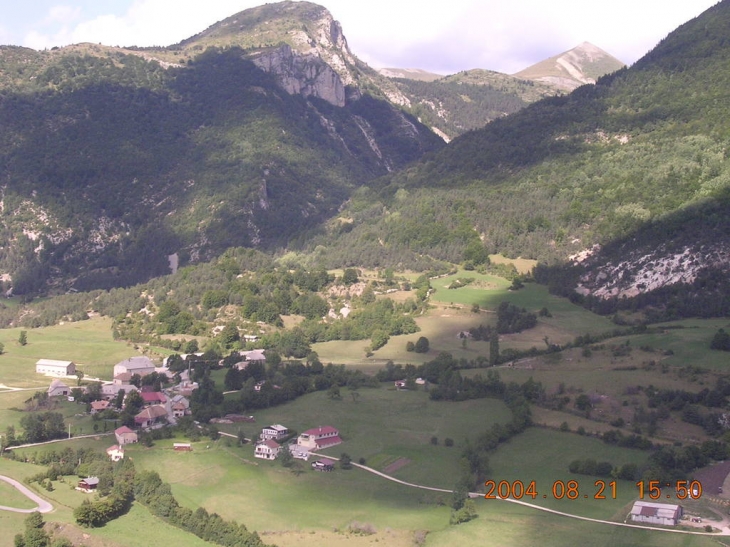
(150, 416)
(135, 365)
(665, 514)
(267, 450)
(153, 398)
(275, 432)
(319, 437)
(58, 389)
(88, 484)
(125, 435)
(179, 406)
(115, 452)
(110, 391)
(252, 356)
(99, 406)
(52, 367)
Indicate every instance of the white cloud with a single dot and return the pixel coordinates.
(63, 14)
(443, 37)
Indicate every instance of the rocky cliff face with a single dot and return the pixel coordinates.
(306, 75)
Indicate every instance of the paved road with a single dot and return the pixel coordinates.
(43, 505)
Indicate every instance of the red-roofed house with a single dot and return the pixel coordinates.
(153, 398)
(99, 406)
(319, 437)
(125, 435)
(267, 450)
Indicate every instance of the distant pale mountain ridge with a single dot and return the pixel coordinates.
(583, 64)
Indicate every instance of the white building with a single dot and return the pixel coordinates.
(267, 450)
(52, 367)
(275, 432)
(319, 437)
(656, 513)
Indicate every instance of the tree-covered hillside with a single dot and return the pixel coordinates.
(567, 172)
(469, 100)
(111, 162)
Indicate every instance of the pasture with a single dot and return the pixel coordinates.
(383, 425)
(88, 343)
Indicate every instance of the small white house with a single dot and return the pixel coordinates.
(52, 367)
(115, 452)
(275, 432)
(665, 514)
(267, 450)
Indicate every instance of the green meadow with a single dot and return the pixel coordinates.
(384, 425)
(392, 431)
(89, 344)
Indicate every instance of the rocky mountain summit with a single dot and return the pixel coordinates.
(583, 64)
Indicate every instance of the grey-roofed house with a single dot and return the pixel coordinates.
(135, 365)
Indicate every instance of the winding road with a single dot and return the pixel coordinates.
(43, 505)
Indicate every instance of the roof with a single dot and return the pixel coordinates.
(277, 427)
(53, 363)
(327, 441)
(325, 461)
(272, 444)
(100, 405)
(152, 412)
(322, 430)
(153, 397)
(57, 383)
(660, 510)
(254, 355)
(114, 448)
(122, 430)
(90, 480)
(139, 362)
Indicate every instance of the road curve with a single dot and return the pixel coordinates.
(43, 505)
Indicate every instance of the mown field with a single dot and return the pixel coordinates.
(89, 344)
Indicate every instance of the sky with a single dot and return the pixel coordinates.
(438, 36)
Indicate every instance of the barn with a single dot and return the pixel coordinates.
(53, 367)
(665, 514)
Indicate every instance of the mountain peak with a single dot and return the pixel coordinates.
(583, 64)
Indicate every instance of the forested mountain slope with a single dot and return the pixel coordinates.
(568, 172)
(114, 159)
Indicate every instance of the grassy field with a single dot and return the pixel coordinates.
(89, 344)
(502, 524)
(383, 425)
(451, 314)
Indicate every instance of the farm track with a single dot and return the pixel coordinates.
(725, 531)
